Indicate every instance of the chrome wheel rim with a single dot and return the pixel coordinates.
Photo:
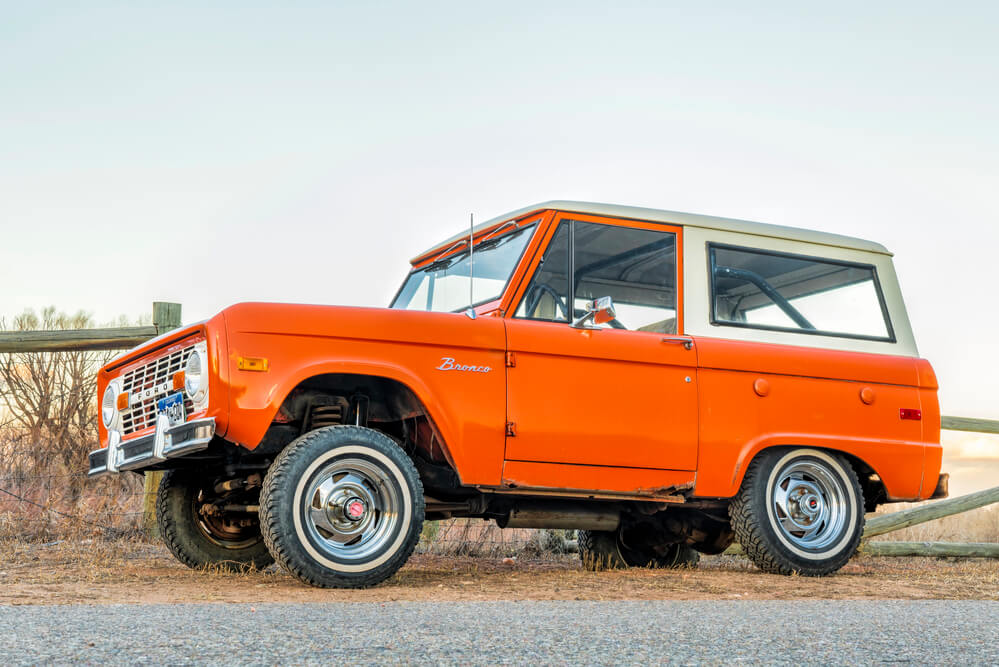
(352, 509)
(809, 505)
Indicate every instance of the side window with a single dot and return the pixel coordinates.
(766, 290)
(635, 267)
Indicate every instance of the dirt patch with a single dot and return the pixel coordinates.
(131, 572)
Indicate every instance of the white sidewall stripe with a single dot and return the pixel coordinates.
(851, 519)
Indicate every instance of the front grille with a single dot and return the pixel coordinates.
(143, 415)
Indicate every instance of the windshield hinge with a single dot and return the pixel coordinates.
(511, 429)
(511, 360)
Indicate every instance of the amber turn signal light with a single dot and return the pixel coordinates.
(252, 364)
(178, 380)
(122, 402)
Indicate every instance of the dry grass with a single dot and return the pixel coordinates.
(476, 537)
(128, 571)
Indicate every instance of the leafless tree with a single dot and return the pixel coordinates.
(50, 403)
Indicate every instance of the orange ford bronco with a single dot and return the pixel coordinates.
(664, 383)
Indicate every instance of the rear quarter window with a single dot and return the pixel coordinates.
(761, 289)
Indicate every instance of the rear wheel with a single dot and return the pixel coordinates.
(342, 507)
(799, 511)
(609, 550)
(199, 533)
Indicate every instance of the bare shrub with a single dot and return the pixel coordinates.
(48, 425)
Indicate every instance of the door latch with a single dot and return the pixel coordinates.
(686, 342)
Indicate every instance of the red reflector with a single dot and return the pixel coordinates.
(909, 413)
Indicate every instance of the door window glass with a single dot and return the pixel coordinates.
(635, 267)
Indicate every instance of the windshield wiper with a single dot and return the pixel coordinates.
(484, 244)
(498, 230)
(456, 244)
(444, 263)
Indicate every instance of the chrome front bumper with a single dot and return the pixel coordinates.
(167, 442)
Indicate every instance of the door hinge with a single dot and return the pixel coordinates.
(511, 360)
(511, 429)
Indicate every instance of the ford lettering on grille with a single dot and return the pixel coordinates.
(147, 384)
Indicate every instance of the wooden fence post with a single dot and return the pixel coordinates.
(166, 317)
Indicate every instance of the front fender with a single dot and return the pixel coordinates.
(468, 408)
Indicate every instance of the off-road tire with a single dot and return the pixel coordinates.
(187, 537)
(758, 531)
(601, 550)
(291, 535)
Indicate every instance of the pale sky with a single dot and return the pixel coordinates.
(211, 155)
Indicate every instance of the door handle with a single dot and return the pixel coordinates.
(686, 342)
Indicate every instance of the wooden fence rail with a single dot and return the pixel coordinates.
(75, 340)
(166, 316)
(930, 549)
(887, 523)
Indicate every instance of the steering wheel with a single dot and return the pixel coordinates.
(537, 291)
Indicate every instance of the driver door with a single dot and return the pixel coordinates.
(623, 394)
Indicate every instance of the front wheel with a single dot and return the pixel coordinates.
(342, 507)
(799, 511)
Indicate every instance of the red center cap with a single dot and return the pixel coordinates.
(355, 508)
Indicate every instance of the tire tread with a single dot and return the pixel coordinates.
(749, 521)
(274, 531)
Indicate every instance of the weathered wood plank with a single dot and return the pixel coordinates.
(931, 549)
(886, 523)
(75, 339)
(970, 425)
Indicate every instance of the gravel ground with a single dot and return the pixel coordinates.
(799, 632)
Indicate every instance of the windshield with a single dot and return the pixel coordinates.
(442, 286)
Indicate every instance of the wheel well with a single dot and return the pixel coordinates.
(379, 403)
(870, 482)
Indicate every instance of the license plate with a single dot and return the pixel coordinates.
(173, 407)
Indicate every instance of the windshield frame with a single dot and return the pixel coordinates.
(456, 252)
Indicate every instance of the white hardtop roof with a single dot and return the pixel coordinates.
(677, 218)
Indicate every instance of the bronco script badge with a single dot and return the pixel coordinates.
(448, 364)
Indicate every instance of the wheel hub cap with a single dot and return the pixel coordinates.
(351, 509)
(809, 505)
(355, 509)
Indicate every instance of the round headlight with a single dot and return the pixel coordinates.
(194, 374)
(109, 405)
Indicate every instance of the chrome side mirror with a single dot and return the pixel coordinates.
(598, 311)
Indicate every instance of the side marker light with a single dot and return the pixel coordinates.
(909, 413)
(258, 364)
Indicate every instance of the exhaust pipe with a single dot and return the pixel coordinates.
(560, 515)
